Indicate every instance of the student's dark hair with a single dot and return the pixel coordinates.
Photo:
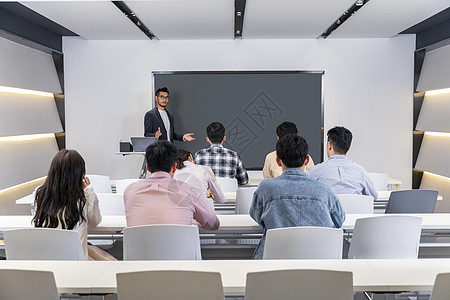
(292, 149)
(215, 132)
(183, 155)
(286, 128)
(341, 139)
(161, 156)
(61, 199)
(162, 89)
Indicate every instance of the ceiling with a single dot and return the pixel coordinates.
(214, 19)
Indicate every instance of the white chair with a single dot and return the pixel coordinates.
(111, 204)
(303, 242)
(379, 180)
(299, 284)
(121, 184)
(162, 285)
(386, 237)
(356, 204)
(100, 183)
(255, 174)
(27, 284)
(161, 242)
(227, 184)
(43, 244)
(244, 197)
(441, 287)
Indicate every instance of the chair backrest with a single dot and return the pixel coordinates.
(356, 204)
(27, 284)
(255, 174)
(162, 285)
(379, 180)
(100, 183)
(441, 287)
(244, 197)
(121, 184)
(111, 204)
(227, 184)
(386, 236)
(303, 242)
(42, 244)
(412, 201)
(161, 242)
(299, 284)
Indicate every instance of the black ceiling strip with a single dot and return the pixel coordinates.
(132, 16)
(347, 14)
(239, 10)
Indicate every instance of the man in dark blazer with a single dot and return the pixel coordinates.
(158, 122)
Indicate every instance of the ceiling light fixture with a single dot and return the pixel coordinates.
(239, 10)
(347, 14)
(132, 16)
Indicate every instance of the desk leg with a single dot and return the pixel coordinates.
(143, 172)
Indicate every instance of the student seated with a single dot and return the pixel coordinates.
(340, 173)
(271, 168)
(293, 198)
(223, 162)
(198, 176)
(160, 199)
(65, 201)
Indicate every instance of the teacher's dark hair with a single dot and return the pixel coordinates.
(286, 128)
(341, 139)
(162, 89)
(61, 199)
(183, 155)
(215, 132)
(161, 156)
(292, 149)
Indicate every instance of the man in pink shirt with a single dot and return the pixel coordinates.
(161, 199)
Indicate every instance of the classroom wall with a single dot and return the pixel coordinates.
(368, 87)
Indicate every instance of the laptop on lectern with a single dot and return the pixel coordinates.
(141, 143)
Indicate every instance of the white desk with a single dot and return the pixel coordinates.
(368, 275)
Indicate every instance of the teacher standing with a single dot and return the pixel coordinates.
(158, 122)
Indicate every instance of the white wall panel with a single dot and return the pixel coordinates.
(434, 155)
(28, 114)
(22, 161)
(435, 72)
(434, 113)
(433, 182)
(368, 86)
(27, 68)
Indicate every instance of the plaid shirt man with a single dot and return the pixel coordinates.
(224, 162)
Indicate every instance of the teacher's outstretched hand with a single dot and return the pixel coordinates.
(188, 137)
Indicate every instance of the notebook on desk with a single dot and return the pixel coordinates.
(141, 143)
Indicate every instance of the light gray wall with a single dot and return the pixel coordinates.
(368, 86)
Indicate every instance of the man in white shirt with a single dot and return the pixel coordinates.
(158, 122)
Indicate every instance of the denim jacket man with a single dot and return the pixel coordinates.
(294, 199)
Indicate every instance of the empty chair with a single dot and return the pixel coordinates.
(303, 242)
(121, 184)
(227, 184)
(386, 237)
(244, 197)
(441, 287)
(379, 180)
(27, 284)
(43, 244)
(162, 285)
(161, 242)
(100, 183)
(412, 201)
(299, 284)
(356, 204)
(111, 204)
